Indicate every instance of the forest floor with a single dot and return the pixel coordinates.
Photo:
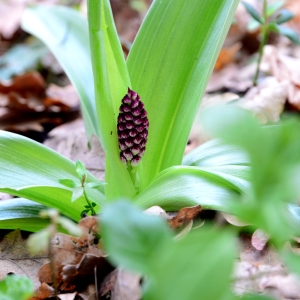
(38, 101)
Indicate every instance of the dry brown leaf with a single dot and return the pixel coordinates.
(45, 291)
(61, 98)
(255, 266)
(232, 77)
(231, 219)
(14, 258)
(157, 211)
(226, 56)
(259, 239)
(87, 265)
(285, 69)
(266, 100)
(127, 286)
(11, 13)
(76, 260)
(108, 282)
(287, 286)
(184, 216)
(90, 226)
(70, 140)
(294, 7)
(251, 255)
(29, 83)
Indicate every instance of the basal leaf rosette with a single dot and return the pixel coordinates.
(133, 127)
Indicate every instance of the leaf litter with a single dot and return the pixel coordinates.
(259, 268)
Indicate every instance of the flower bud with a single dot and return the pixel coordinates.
(132, 128)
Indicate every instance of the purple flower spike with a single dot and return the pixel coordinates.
(132, 128)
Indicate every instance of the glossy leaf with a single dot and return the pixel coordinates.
(69, 183)
(143, 243)
(275, 162)
(203, 261)
(65, 32)
(21, 213)
(216, 153)
(131, 237)
(182, 186)
(169, 64)
(32, 171)
(111, 81)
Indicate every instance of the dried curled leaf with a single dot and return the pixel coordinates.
(184, 216)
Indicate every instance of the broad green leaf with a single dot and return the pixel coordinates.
(284, 16)
(16, 287)
(255, 297)
(182, 186)
(169, 65)
(32, 171)
(253, 12)
(216, 153)
(143, 243)
(275, 164)
(65, 32)
(69, 183)
(111, 81)
(21, 213)
(203, 261)
(131, 237)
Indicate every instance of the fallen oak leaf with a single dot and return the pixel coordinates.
(122, 284)
(266, 100)
(74, 273)
(259, 239)
(108, 283)
(227, 55)
(14, 258)
(28, 83)
(127, 286)
(184, 216)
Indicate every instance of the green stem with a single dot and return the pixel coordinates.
(265, 33)
(133, 174)
(89, 202)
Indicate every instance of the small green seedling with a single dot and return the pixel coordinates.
(270, 20)
(80, 188)
(141, 109)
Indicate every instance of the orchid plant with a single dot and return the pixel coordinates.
(141, 109)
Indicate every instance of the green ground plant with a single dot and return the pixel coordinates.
(270, 20)
(169, 65)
